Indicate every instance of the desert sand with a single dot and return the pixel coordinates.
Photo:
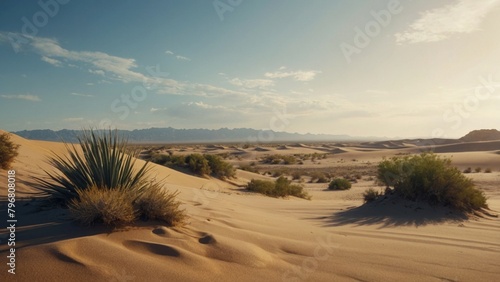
(233, 235)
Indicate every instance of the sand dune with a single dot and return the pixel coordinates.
(233, 235)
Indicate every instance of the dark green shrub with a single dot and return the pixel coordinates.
(282, 187)
(198, 164)
(219, 167)
(339, 184)
(261, 186)
(427, 177)
(8, 151)
(160, 159)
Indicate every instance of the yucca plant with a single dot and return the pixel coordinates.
(99, 162)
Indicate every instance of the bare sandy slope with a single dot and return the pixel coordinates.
(233, 235)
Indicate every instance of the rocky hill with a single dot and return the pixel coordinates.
(481, 135)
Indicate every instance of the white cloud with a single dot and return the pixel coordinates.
(117, 67)
(178, 57)
(297, 75)
(251, 83)
(81, 95)
(98, 72)
(27, 97)
(182, 58)
(51, 61)
(464, 16)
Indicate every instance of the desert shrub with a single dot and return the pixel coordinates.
(288, 159)
(339, 184)
(177, 160)
(477, 169)
(99, 183)
(427, 177)
(282, 187)
(488, 170)
(219, 167)
(249, 168)
(371, 195)
(157, 203)
(160, 159)
(468, 170)
(261, 186)
(111, 207)
(8, 151)
(99, 162)
(296, 175)
(198, 164)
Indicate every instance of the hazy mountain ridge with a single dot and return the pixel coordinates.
(172, 135)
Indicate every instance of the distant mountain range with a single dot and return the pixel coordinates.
(172, 135)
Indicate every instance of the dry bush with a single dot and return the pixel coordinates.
(111, 207)
(8, 151)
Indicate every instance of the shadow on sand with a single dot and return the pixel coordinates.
(390, 212)
(40, 225)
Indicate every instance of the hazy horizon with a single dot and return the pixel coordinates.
(383, 68)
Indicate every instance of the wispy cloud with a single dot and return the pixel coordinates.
(464, 16)
(116, 67)
(178, 57)
(98, 72)
(27, 97)
(252, 83)
(81, 95)
(182, 58)
(51, 61)
(297, 75)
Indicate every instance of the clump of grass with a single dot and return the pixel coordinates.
(478, 169)
(487, 170)
(339, 184)
(99, 183)
(159, 204)
(371, 195)
(8, 151)
(427, 177)
(110, 207)
(282, 187)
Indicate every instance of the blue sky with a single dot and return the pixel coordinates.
(379, 68)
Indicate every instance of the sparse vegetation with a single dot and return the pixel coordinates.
(339, 184)
(282, 187)
(99, 183)
(371, 195)
(279, 159)
(468, 170)
(427, 177)
(219, 167)
(488, 170)
(8, 151)
(197, 163)
(477, 169)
